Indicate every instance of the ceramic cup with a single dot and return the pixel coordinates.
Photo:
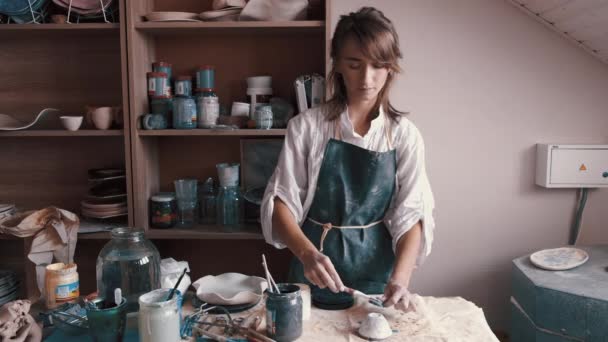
(240, 109)
(71, 123)
(102, 117)
(154, 121)
(107, 321)
(228, 173)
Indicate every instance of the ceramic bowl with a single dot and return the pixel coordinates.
(71, 123)
(375, 327)
(259, 82)
(230, 289)
(102, 117)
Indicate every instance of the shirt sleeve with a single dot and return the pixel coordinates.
(289, 181)
(413, 199)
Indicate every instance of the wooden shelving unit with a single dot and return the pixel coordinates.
(70, 66)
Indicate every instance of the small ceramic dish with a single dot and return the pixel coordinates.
(71, 123)
(172, 16)
(559, 259)
(375, 327)
(103, 206)
(230, 289)
(215, 15)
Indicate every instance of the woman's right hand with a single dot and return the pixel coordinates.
(320, 271)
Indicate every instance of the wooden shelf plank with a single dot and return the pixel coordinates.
(62, 133)
(208, 232)
(303, 26)
(60, 27)
(210, 132)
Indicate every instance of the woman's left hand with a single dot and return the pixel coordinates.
(398, 295)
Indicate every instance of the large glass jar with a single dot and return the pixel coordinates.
(131, 262)
(229, 206)
(184, 112)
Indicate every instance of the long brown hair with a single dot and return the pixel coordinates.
(380, 43)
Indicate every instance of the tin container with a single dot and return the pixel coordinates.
(158, 85)
(107, 321)
(163, 67)
(183, 86)
(205, 77)
(284, 313)
(163, 210)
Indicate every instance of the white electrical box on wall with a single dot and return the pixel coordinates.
(572, 166)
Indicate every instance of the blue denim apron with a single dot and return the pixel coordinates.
(345, 220)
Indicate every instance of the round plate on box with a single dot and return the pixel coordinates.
(559, 259)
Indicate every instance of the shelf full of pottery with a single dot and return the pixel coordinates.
(173, 105)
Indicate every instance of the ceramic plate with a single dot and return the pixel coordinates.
(210, 15)
(230, 289)
(171, 16)
(99, 206)
(103, 217)
(559, 259)
(8, 123)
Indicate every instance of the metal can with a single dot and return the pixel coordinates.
(163, 210)
(205, 77)
(162, 67)
(158, 85)
(183, 86)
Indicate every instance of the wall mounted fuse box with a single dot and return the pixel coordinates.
(572, 166)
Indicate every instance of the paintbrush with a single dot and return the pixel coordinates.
(370, 299)
(176, 284)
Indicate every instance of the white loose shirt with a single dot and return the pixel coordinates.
(295, 178)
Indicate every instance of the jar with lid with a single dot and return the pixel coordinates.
(158, 85)
(61, 284)
(263, 117)
(229, 206)
(163, 210)
(183, 86)
(184, 112)
(163, 67)
(128, 261)
(208, 108)
(205, 77)
(164, 107)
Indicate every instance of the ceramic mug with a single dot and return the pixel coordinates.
(154, 121)
(101, 117)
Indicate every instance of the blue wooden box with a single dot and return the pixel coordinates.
(560, 306)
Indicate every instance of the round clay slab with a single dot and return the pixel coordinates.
(559, 259)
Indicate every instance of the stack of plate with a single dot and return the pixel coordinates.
(9, 286)
(107, 197)
(7, 210)
(89, 9)
(19, 10)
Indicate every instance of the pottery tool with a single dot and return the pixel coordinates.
(176, 284)
(370, 299)
(269, 279)
(117, 296)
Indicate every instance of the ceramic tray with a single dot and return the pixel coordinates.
(559, 259)
(8, 123)
(230, 289)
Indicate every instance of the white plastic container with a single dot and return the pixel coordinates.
(158, 318)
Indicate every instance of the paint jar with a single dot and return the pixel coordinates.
(107, 321)
(158, 85)
(131, 262)
(61, 284)
(263, 117)
(284, 313)
(159, 318)
(208, 108)
(205, 77)
(163, 210)
(184, 113)
(163, 67)
(164, 107)
(183, 86)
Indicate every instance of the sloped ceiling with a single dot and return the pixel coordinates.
(583, 22)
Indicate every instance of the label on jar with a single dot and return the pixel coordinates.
(179, 88)
(67, 292)
(151, 85)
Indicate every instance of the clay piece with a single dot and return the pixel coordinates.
(375, 327)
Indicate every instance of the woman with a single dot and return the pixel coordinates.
(350, 196)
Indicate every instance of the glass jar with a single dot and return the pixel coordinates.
(229, 206)
(206, 198)
(163, 210)
(284, 313)
(207, 107)
(130, 262)
(164, 107)
(158, 85)
(263, 117)
(184, 112)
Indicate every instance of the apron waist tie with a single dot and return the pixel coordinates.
(328, 226)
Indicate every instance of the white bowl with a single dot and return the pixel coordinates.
(375, 327)
(230, 289)
(71, 123)
(259, 82)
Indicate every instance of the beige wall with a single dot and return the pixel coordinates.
(484, 83)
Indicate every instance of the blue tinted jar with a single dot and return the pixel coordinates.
(163, 106)
(229, 204)
(284, 313)
(184, 112)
